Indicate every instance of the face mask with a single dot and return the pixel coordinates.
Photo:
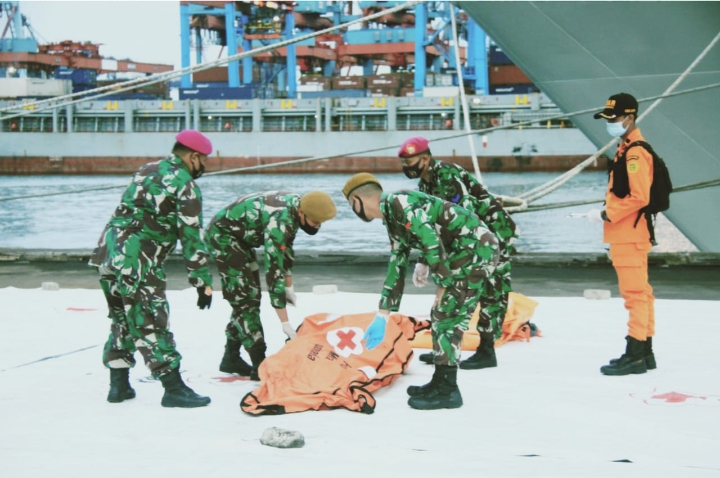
(308, 229)
(414, 171)
(361, 213)
(616, 129)
(199, 170)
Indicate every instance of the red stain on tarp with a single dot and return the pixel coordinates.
(78, 309)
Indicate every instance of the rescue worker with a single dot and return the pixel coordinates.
(452, 183)
(269, 220)
(627, 233)
(160, 206)
(460, 253)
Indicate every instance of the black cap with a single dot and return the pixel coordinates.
(619, 105)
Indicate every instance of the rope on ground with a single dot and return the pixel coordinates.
(159, 77)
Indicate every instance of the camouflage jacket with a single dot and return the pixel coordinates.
(161, 205)
(452, 183)
(446, 235)
(267, 219)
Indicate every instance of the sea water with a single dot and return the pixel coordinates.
(74, 221)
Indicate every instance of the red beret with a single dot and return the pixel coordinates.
(413, 146)
(194, 140)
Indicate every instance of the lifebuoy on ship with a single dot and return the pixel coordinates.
(495, 122)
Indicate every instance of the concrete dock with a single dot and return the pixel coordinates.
(688, 276)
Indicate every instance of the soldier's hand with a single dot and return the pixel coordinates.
(289, 331)
(290, 296)
(204, 297)
(375, 333)
(420, 276)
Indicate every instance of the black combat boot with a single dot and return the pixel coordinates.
(484, 357)
(120, 388)
(177, 394)
(417, 390)
(649, 356)
(632, 361)
(443, 393)
(232, 362)
(257, 355)
(428, 358)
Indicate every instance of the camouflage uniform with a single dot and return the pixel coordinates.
(161, 205)
(460, 252)
(451, 182)
(262, 219)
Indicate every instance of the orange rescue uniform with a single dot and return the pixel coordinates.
(630, 243)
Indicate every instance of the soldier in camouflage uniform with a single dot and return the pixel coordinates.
(451, 182)
(461, 254)
(268, 220)
(160, 206)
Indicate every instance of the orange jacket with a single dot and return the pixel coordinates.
(327, 365)
(623, 212)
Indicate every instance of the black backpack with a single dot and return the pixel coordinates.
(660, 188)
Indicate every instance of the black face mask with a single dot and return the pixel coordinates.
(361, 214)
(197, 172)
(308, 229)
(414, 171)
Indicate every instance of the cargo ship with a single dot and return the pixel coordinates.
(357, 89)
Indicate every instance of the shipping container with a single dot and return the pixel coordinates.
(33, 87)
(349, 93)
(219, 74)
(498, 57)
(443, 79)
(348, 82)
(381, 81)
(383, 91)
(507, 75)
(439, 91)
(324, 81)
(240, 93)
(76, 76)
(407, 91)
(513, 89)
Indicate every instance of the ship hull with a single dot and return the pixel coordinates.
(106, 153)
(580, 53)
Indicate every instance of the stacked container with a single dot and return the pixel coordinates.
(505, 77)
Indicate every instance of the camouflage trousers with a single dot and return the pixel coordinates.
(240, 279)
(494, 300)
(452, 313)
(139, 322)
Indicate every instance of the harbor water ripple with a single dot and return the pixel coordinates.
(74, 221)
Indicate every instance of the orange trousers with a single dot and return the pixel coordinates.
(631, 265)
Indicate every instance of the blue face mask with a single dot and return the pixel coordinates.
(616, 129)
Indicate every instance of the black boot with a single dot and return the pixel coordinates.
(443, 393)
(484, 357)
(232, 362)
(120, 388)
(632, 361)
(428, 358)
(257, 355)
(177, 394)
(417, 390)
(649, 356)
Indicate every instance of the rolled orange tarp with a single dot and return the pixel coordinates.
(519, 312)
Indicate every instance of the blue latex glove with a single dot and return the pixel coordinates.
(376, 332)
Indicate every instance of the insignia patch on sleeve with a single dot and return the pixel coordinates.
(633, 167)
